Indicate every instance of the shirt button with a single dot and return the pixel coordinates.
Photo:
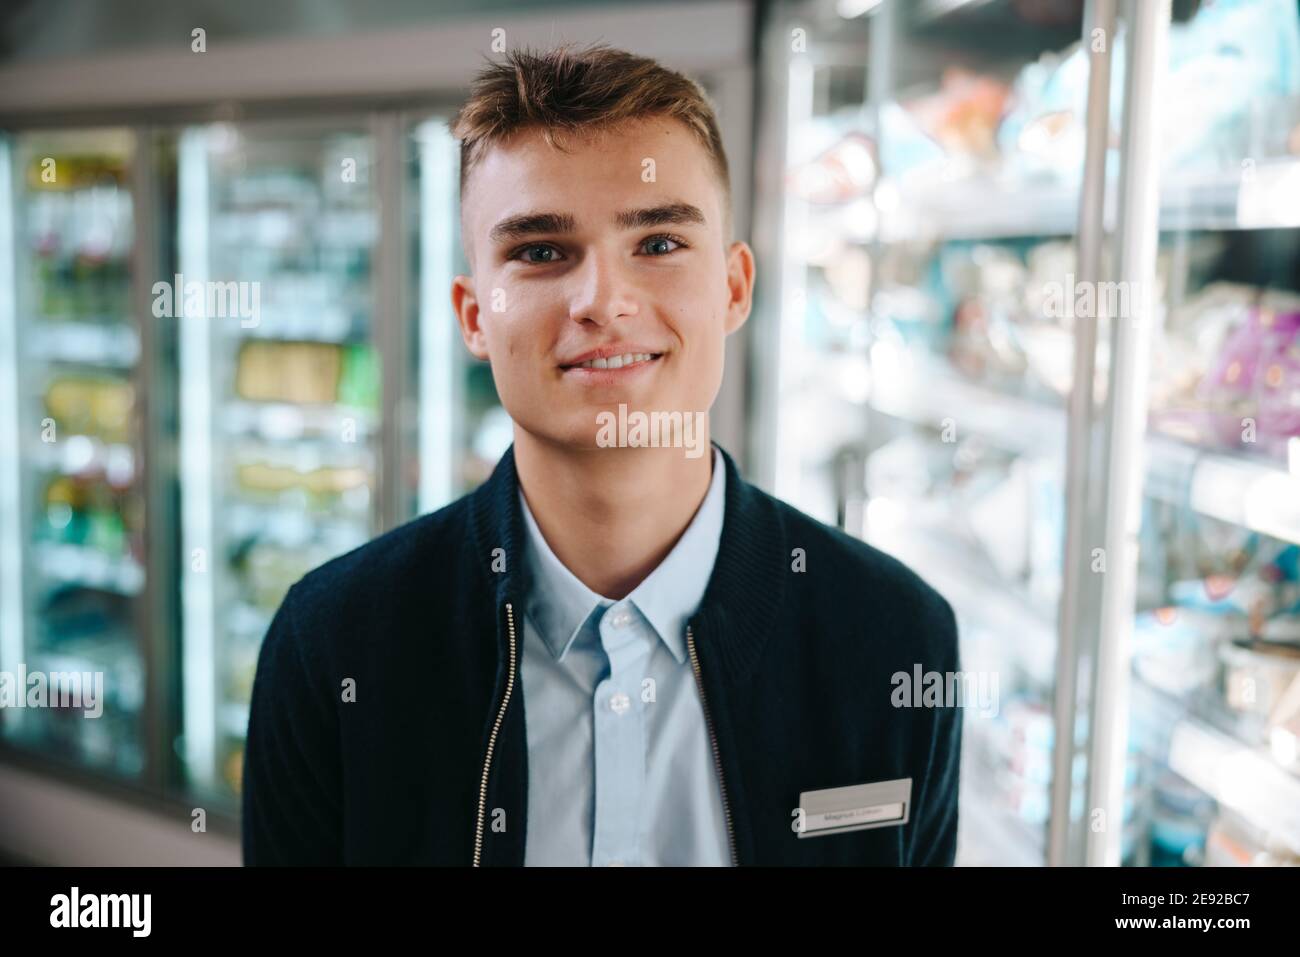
(619, 703)
(621, 619)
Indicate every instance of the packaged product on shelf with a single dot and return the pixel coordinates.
(1277, 395)
(76, 171)
(1241, 385)
(1258, 676)
(845, 170)
(1180, 822)
(1228, 56)
(1041, 135)
(963, 114)
(263, 477)
(1229, 390)
(325, 481)
(85, 511)
(360, 382)
(1176, 649)
(333, 480)
(986, 343)
(1235, 842)
(94, 406)
(297, 372)
(65, 517)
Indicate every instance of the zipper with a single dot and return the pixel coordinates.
(717, 756)
(492, 740)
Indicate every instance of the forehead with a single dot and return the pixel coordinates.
(595, 173)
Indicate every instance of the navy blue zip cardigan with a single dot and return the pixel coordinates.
(387, 716)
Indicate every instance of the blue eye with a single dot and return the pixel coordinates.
(551, 252)
(659, 244)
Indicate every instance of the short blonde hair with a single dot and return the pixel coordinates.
(566, 90)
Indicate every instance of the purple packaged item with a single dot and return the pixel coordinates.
(1256, 376)
(1277, 382)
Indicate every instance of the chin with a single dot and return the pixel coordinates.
(576, 433)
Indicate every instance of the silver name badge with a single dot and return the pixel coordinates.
(855, 807)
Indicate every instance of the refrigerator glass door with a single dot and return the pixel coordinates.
(279, 392)
(929, 197)
(72, 537)
(1214, 711)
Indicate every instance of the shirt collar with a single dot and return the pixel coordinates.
(741, 604)
(560, 604)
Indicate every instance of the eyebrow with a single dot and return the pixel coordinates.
(663, 215)
(531, 224)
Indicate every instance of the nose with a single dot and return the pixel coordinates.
(603, 290)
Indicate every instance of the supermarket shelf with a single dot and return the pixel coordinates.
(285, 420)
(332, 325)
(82, 454)
(1243, 778)
(112, 343)
(1254, 493)
(929, 392)
(986, 208)
(79, 565)
(304, 453)
(979, 208)
(294, 528)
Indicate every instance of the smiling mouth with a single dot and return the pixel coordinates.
(617, 362)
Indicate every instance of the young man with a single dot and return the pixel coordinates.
(616, 651)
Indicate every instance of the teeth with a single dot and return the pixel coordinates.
(615, 362)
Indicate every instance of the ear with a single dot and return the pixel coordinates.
(740, 285)
(465, 302)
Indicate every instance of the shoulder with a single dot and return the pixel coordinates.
(423, 555)
(850, 573)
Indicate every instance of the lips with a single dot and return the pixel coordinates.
(616, 356)
(615, 362)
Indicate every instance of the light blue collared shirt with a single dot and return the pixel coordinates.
(620, 765)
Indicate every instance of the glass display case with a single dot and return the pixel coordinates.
(1214, 714)
(72, 518)
(227, 306)
(279, 397)
(931, 205)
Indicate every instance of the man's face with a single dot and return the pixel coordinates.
(613, 247)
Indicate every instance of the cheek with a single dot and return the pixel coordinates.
(699, 313)
(517, 336)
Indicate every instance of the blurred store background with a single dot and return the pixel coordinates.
(924, 184)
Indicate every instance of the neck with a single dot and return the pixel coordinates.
(611, 515)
